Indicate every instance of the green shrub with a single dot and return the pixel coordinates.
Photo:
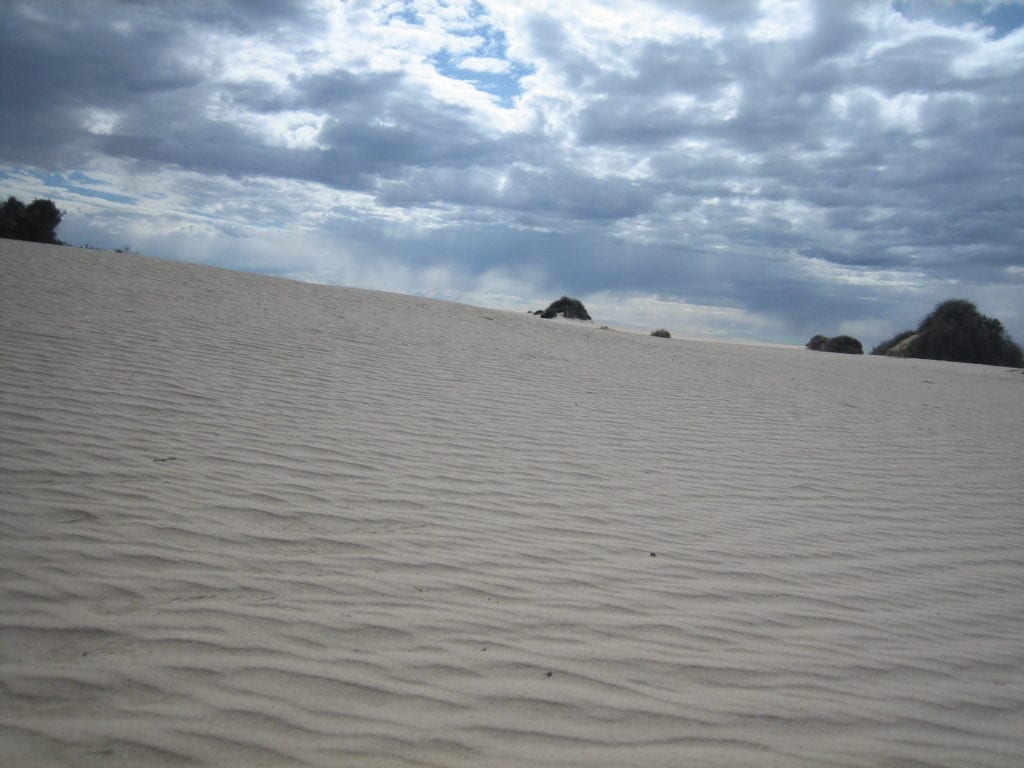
(956, 331)
(843, 344)
(846, 345)
(36, 222)
(571, 309)
(817, 342)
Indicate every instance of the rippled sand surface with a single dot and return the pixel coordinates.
(252, 522)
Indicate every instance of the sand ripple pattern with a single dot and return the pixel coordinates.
(246, 521)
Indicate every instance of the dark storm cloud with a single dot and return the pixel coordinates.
(57, 61)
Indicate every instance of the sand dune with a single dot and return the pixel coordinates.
(246, 521)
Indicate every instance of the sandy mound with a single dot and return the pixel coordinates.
(247, 521)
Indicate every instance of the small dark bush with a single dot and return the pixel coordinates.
(846, 345)
(956, 331)
(817, 342)
(661, 333)
(571, 309)
(36, 222)
(843, 344)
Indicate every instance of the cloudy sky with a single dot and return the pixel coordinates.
(751, 169)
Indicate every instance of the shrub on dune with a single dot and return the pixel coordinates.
(817, 342)
(661, 333)
(36, 222)
(567, 307)
(846, 345)
(956, 331)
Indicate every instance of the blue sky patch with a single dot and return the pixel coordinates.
(1004, 18)
(76, 182)
(504, 85)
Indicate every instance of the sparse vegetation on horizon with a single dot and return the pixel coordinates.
(661, 333)
(843, 344)
(36, 222)
(956, 331)
(817, 342)
(569, 308)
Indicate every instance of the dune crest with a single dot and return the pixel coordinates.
(247, 521)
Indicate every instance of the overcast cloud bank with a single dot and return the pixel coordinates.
(761, 170)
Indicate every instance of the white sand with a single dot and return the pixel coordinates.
(247, 522)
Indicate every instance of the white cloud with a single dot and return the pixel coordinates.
(906, 279)
(870, 109)
(682, 318)
(782, 20)
(101, 122)
(484, 64)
